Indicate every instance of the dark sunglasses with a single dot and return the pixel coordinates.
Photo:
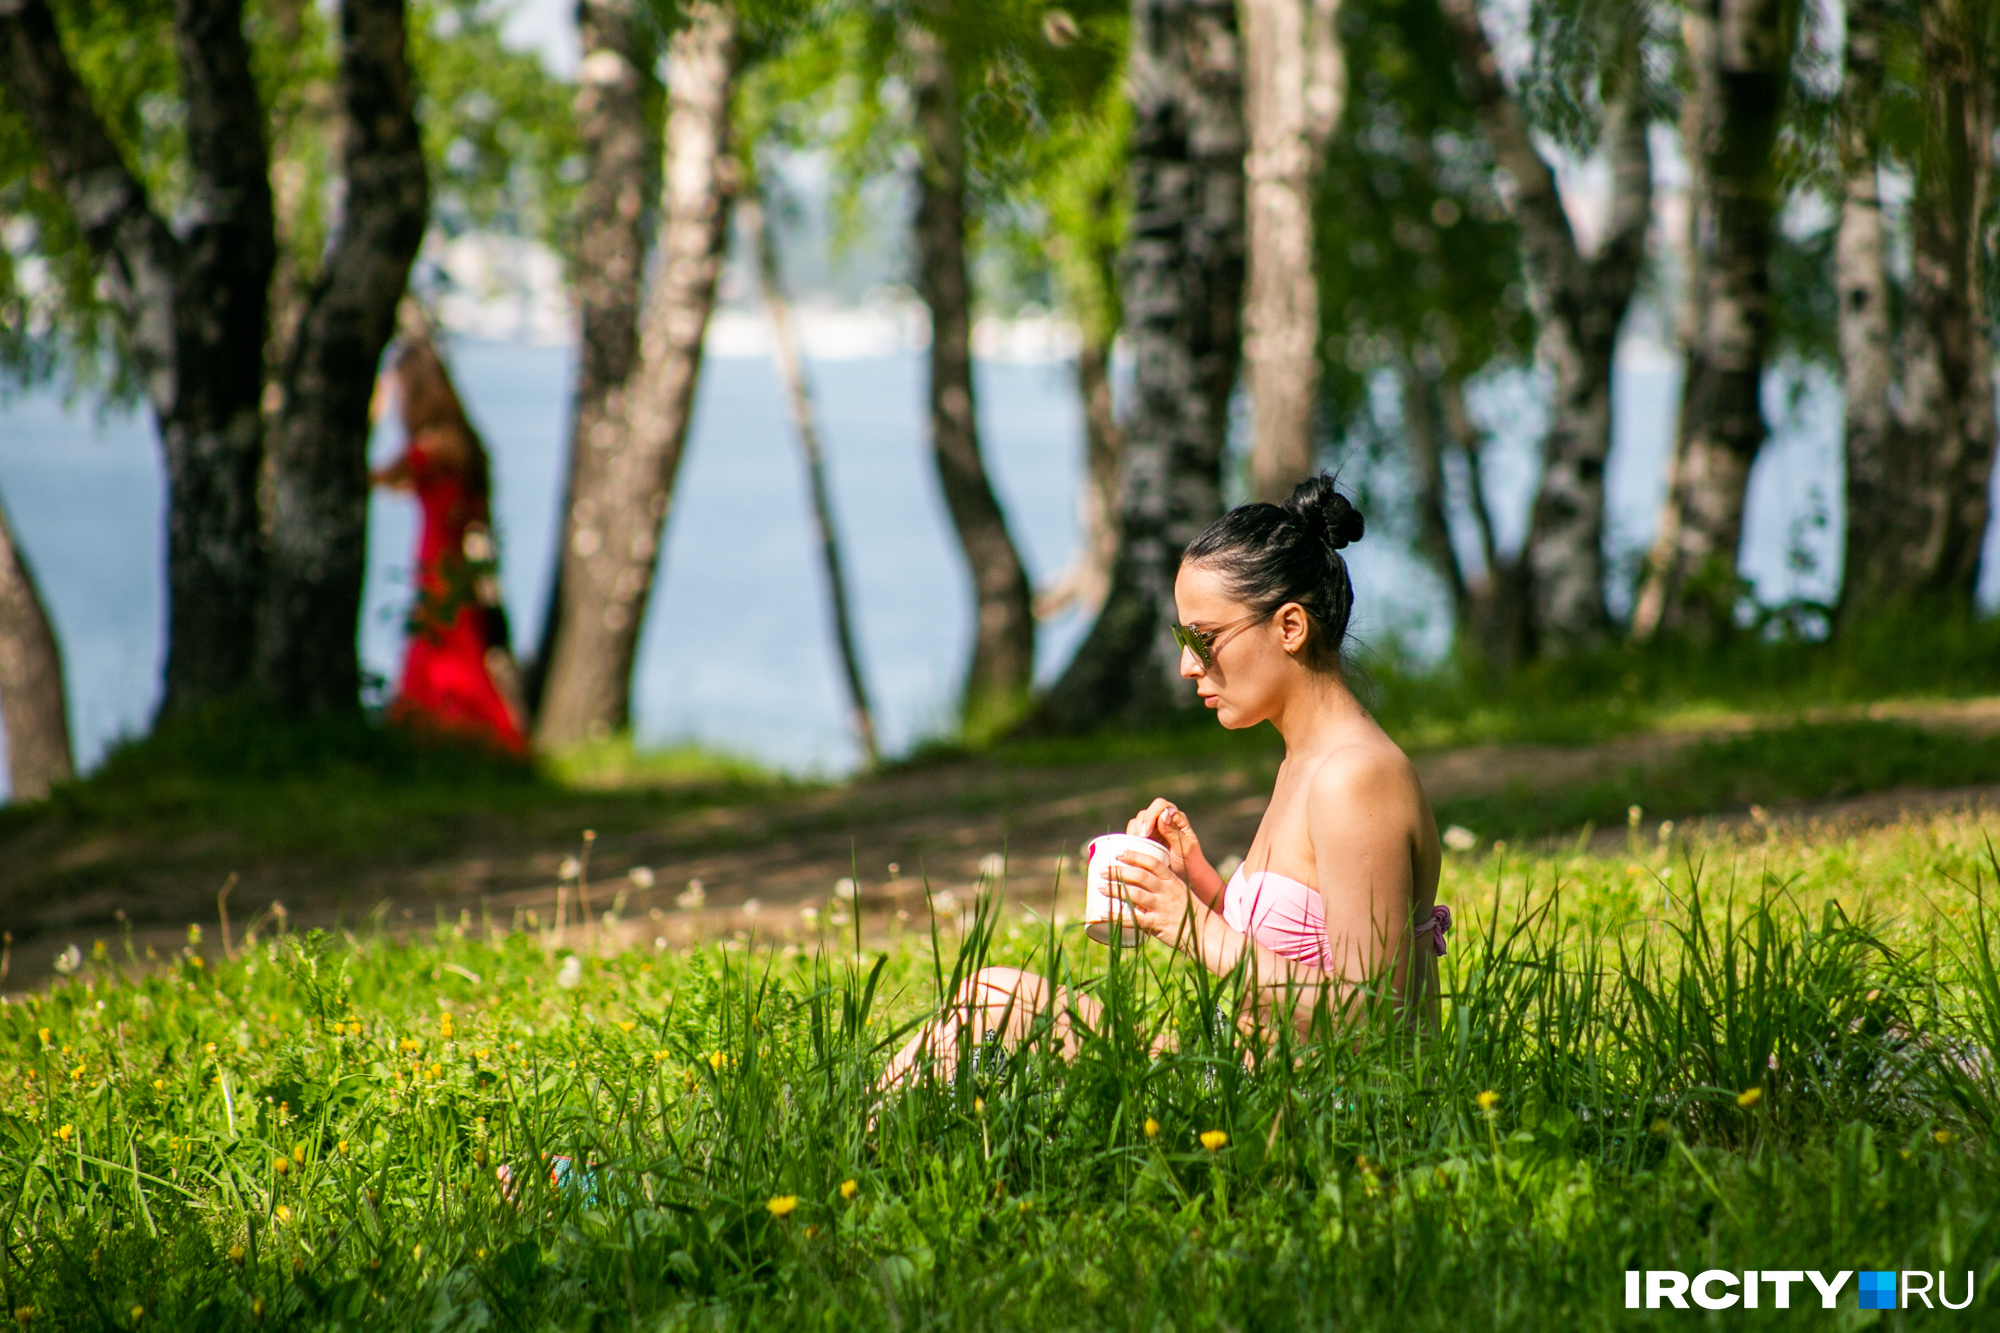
(1202, 642)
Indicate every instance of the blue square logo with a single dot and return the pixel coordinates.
(1878, 1290)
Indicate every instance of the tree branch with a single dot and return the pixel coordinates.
(1618, 260)
(306, 648)
(227, 152)
(1537, 203)
(110, 205)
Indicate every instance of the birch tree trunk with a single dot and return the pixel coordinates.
(33, 706)
(1087, 268)
(1087, 582)
(1424, 434)
(621, 154)
(195, 302)
(307, 659)
(1920, 427)
(1951, 394)
(1003, 647)
(1579, 303)
(1875, 513)
(1182, 291)
(622, 484)
(1294, 81)
(1722, 419)
(1701, 106)
(805, 426)
(1489, 603)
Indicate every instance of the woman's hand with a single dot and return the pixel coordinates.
(1160, 902)
(396, 475)
(1164, 822)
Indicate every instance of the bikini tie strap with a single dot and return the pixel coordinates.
(1437, 927)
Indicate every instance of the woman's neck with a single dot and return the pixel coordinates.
(1316, 714)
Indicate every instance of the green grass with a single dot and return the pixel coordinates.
(1801, 762)
(351, 788)
(1788, 1067)
(1622, 689)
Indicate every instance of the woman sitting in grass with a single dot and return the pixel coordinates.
(1335, 903)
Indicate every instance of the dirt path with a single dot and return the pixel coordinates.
(762, 859)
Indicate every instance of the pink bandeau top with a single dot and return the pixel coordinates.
(1285, 917)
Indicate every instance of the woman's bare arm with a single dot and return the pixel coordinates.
(1167, 823)
(438, 448)
(1359, 813)
(1165, 907)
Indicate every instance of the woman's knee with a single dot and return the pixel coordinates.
(990, 985)
(1001, 1000)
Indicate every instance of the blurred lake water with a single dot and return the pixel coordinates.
(736, 652)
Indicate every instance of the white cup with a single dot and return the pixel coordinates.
(1101, 911)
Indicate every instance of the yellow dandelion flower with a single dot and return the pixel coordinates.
(417, 1250)
(77, 1072)
(849, 1188)
(1943, 1136)
(281, 1165)
(482, 1053)
(717, 1061)
(979, 1106)
(45, 1036)
(627, 1026)
(159, 1085)
(210, 1048)
(65, 1133)
(1215, 1140)
(24, 1315)
(659, 1057)
(1749, 1097)
(782, 1205)
(138, 1313)
(1152, 1128)
(299, 1154)
(435, 1072)
(1488, 1100)
(444, 1027)
(407, 1044)
(284, 1213)
(1661, 1127)
(236, 1254)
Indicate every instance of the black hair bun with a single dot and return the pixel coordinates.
(1326, 512)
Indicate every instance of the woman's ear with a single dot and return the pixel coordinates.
(1293, 627)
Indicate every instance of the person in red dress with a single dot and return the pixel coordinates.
(458, 670)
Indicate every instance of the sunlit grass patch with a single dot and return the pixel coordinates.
(1799, 762)
(1777, 1055)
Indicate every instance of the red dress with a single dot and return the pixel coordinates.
(446, 685)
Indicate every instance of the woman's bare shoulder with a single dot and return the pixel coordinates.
(1370, 767)
(443, 446)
